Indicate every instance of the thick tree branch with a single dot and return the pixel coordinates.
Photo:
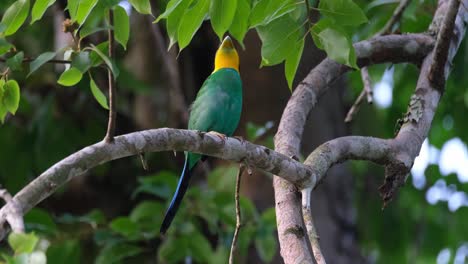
(310, 227)
(164, 139)
(14, 218)
(397, 154)
(424, 102)
(392, 48)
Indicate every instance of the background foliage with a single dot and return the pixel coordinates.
(113, 214)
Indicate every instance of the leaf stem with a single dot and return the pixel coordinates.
(112, 94)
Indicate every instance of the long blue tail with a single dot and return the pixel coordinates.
(178, 195)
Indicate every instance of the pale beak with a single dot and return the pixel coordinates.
(227, 43)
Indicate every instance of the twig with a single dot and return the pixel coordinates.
(143, 160)
(238, 214)
(367, 91)
(13, 216)
(309, 223)
(387, 29)
(27, 60)
(311, 23)
(112, 94)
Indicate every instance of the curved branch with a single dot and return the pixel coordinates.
(391, 48)
(15, 218)
(163, 139)
(429, 89)
(398, 154)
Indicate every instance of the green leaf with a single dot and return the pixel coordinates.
(81, 61)
(145, 210)
(5, 46)
(265, 240)
(125, 227)
(15, 63)
(84, 8)
(161, 184)
(39, 8)
(266, 247)
(70, 77)
(343, 12)
(116, 252)
(148, 221)
(107, 61)
(98, 95)
(240, 23)
(86, 31)
(277, 39)
(200, 247)
(72, 7)
(334, 40)
(96, 59)
(40, 60)
(15, 16)
(68, 251)
(121, 26)
(265, 11)
(221, 15)
(191, 21)
(173, 250)
(22, 242)
(11, 96)
(171, 6)
(142, 6)
(292, 62)
(40, 220)
(174, 18)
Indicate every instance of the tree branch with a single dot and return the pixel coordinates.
(55, 61)
(110, 78)
(309, 223)
(163, 139)
(366, 92)
(424, 102)
(392, 48)
(14, 218)
(238, 214)
(387, 29)
(404, 148)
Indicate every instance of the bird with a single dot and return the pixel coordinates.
(216, 108)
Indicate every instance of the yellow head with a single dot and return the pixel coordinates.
(226, 56)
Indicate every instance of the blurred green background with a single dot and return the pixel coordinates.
(112, 214)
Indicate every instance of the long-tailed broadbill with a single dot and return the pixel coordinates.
(217, 107)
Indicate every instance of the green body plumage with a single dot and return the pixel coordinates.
(218, 105)
(217, 108)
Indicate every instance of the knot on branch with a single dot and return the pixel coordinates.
(396, 174)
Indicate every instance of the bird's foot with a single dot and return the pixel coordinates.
(241, 139)
(201, 134)
(219, 135)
